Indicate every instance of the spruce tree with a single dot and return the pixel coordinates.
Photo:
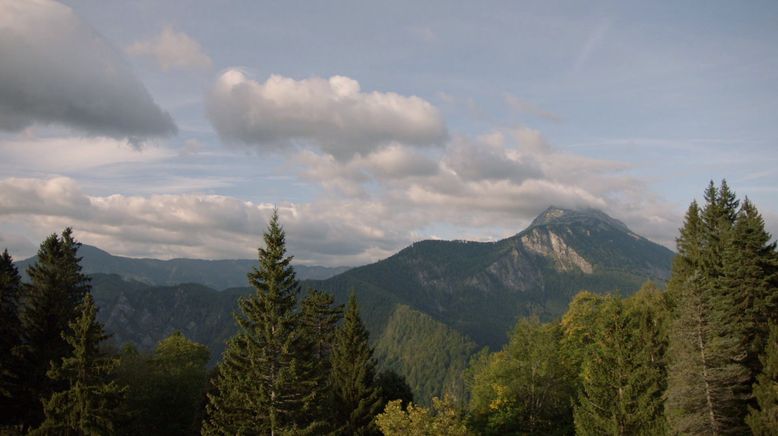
(266, 382)
(622, 386)
(89, 404)
(320, 317)
(710, 364)
(11, 383)
(763, 419)
(750, 283)
(51, 299)
(357, 397)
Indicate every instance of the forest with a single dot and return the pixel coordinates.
(695, 355)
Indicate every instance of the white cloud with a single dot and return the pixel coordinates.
(57, 69)
(192, 225)
(171, 50)
(331, 114)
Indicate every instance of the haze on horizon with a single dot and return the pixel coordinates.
(172, 129)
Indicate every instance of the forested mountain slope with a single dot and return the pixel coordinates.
(428, 307)
(481, 288)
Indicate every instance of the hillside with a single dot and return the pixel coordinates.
(428, 307)
(480, 288)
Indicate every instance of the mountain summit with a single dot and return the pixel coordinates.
(481, 288)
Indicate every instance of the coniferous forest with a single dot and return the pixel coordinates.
(695, 355)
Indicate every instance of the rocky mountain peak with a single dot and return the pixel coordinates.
(589, 216)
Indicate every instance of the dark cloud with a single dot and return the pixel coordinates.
(56, 69)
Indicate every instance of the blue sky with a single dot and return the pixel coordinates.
(171, 129)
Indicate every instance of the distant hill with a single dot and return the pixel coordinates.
(428, 308)
(217, 274)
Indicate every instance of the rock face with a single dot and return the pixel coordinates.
(552, 246)
(480, 289)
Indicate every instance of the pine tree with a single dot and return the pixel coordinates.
(11, 383)
(708, 373)
(89, 404)
(622, 385)
(763, 420)
(266, 383)
(57, 287)
(320, 317)
(751, 283)
(357, 397)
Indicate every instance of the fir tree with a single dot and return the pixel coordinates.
(10, 339)
(622, 385)
(57, 286)
(708, 373)
(320, 317)
(89, 404)
(750, 284)
(266, 383)
(763, 420)
(357, 397)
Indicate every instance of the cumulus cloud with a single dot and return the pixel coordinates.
(492, 185)
(171, 50)
(333, 115)
(194, 225)
(56, 69)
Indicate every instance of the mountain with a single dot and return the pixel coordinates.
(218, 274)
(480, 288)
(428, 308)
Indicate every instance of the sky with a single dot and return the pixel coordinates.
(173, 129)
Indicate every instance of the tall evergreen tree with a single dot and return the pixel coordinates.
(763, 419)
(57, 286)
(710, 362)
(750, 284)
(89, 404)
(266, 382)
(320, 317)
(357, 397)
(622, 384)
(11, 383)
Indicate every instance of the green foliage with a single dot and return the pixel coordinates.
(723, 291)
(266, 381)
(320, 317)
(394, 387)
(763, 420)
(89, 404)
(622, 374)
(165, 389)
(357, 397)
(431, 356)
(57, 286)
(10, 339)
(525, 388)
(443, 419)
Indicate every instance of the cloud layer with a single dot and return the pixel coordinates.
(172, 50)
(331, 114)
(56, 69)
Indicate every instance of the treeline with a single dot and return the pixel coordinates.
(700, 358)
(294, 367)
